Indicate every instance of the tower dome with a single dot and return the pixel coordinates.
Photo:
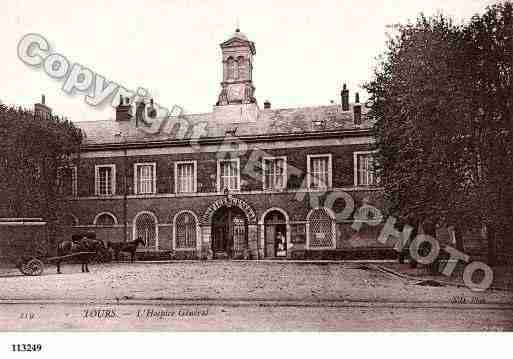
(239, 35)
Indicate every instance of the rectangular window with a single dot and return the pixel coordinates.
(67, 177)
(364, 169)
(185, 177)
(319, 169)
(105, 180)
(144, 178)
(228, 174)
(274, 169)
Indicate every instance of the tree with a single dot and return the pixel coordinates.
(33, 149)
(418, 103)
(442, 98)
(488, 41)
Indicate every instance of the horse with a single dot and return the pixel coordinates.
(126, 247)
(84, 244)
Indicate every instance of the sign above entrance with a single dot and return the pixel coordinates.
(229, 201)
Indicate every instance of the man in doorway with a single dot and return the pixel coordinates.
(281, 250)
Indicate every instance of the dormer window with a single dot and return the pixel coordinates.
(319, 124)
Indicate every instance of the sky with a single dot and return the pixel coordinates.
(305, 50)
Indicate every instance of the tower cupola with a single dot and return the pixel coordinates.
(237, 59)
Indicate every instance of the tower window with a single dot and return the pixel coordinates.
(233, 69)
(242, 73)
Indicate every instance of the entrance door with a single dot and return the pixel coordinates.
(229, 233)
(275, 234)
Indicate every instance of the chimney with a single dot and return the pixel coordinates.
(357, 108)
(267, 104)
(344, 94)
(41, 110)
(123, 111)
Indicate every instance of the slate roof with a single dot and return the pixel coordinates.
(268, 122)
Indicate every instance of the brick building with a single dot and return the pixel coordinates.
(242, 181)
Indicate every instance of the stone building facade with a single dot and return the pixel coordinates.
(242, 181)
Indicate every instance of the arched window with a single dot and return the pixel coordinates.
(146, 228)
(105, 219)
(69, 220)
(320, 224)
(185, 225)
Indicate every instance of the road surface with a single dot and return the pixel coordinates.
(242, 295)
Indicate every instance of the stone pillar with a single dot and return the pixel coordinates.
(261, 238)
(206, 247)
(289, 241)
(252, 240)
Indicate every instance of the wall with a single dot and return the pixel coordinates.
(295, 200)
(342, 164)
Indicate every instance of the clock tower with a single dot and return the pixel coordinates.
(237, 85)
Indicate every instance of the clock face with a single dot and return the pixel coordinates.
(235, 93)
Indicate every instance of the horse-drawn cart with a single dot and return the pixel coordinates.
(24, 243)
(35, 266)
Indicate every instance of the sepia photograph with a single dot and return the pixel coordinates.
(275, 166)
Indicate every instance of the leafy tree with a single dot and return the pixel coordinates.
(488, 41)
(442, 98)
(418, 103)
(33, 149)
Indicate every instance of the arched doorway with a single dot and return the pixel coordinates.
(229, 233)
(275, 234)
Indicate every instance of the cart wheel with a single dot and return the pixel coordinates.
(32, 267)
